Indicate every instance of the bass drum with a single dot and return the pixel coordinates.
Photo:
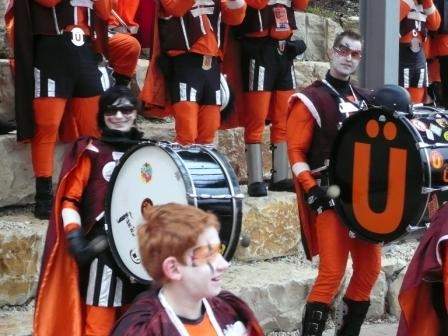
(160, 173)
(392, 170)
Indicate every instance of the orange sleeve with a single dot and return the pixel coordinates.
(300, 5)
(404, 9)
(433, 18)
(74, 188)
(233, 11)
(299, 134)
(176, 7)
(103, 8)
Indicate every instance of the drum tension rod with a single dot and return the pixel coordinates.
(422, 145)
(427, 190)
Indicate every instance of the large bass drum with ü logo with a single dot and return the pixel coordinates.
(392, 170)
(159, 173)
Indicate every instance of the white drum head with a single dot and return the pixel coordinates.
(148, 172)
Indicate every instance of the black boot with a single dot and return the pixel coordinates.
(256, 187)
(7, 126)
(121, 79)
(43, 198)
(351, 317)
(281, 176)
(315, 317)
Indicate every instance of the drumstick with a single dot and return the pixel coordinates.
(120, 21)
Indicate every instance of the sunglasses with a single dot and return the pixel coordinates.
(125, 110)
(345, 52)
(205, 253)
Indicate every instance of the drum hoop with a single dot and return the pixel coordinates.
(109, 233)
(171, 150)
(236, 229)
(108, 219)
(367, 235)
(425, 168)
(186, 176)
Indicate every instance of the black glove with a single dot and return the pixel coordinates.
(82, 250)
(294, 48)
(318, 199)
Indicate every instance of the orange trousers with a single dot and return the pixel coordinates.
(417, 94)
(124, 52)
(99, 321)
(334, 248)
(195, 124)
(263, 105)
(48, 116)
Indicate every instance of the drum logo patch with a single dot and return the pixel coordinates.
(146, 172)
(390, 218)
(436, 159)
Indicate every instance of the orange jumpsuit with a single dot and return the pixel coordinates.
(260, 106)
(49, 111)
(327, 235)
(195, 123)
(424, 292)
(413, 62)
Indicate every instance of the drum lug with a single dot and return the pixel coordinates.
(428, 190)
(423, 145)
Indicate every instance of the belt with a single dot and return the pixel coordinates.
(205, 61)
(77, 36)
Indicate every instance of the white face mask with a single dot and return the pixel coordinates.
(345, 58)
(120, 116)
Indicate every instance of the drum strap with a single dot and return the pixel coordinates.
(178, 323)
(357, 104)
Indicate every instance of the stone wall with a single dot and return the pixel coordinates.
(272, 274)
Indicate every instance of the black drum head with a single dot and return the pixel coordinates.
(380, 172)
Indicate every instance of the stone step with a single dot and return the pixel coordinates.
(22, 238)
(271, 274)
(16, 174)
(276, 290)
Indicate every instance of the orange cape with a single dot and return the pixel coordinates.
(58, 309)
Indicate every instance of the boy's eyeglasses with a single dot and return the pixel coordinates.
(205, 253)
(345, 52)
(125, 110)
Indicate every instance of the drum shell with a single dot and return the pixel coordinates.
(163, 173)
(417, 183)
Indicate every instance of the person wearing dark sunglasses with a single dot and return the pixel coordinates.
(71, 299)
(315, 115)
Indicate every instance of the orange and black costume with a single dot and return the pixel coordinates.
(123, 47)
(67, 301)
(56, 64)
(312, 126)
(147, 316)
(188, 51)
(424, 292)
(267, 67)
(416, 18)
